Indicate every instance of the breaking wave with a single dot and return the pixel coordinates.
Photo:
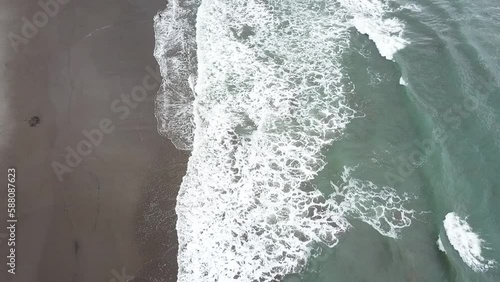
(467, 243)
(175, 51)
(369, 17)
(440, 245)
(258, 98)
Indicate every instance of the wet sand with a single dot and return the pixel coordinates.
(96, 208)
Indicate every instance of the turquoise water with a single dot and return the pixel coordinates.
(334, 140)
(451, 101)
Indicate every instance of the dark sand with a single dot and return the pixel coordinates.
(114, 213)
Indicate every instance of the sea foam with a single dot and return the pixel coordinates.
(175, 51)
(467, 243)
(411, 7)
(269, 96)
(370, 18)
(440, 245)
(403, 82)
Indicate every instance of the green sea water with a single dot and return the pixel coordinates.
(437, 137)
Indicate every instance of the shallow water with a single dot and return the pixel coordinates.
(334, 140)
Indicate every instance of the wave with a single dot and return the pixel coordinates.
(440, 245)
(370, 18)
(467, 243)
(403, 82)
(267, 97)
(380, 207)
(412, 8)
(175, 52)
(266, 105)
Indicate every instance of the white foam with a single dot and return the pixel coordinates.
(440, 245)
(369, 17)
(467, 243)
(175, 51)
(412, 7)
(270, 97)
(403, 82)
(381, 207)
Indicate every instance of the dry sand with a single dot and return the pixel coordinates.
(113, 213)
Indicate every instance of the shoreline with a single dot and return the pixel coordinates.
(109, 216)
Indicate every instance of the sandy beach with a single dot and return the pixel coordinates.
(95, 182)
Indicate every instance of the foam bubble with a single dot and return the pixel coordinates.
(266, 105)
(467, 243)
(440, 245)
(270, 95)
(412, 7)
(175, 51)
(403, 82)
(369, 17)
(381, 207)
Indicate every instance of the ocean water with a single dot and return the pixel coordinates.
(334, 140)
